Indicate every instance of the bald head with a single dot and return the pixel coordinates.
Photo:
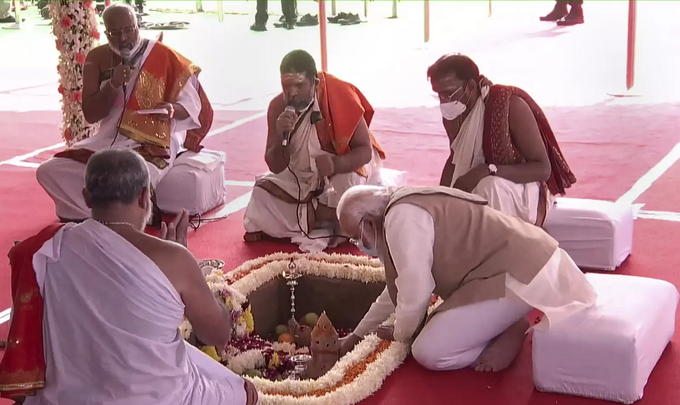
(115, 177)
(362, 203)
(122, 29)
(119, 13)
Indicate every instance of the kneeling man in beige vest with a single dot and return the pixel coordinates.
(490, 269)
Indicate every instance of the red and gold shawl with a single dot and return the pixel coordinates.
(499, 147)
(22, 370)
(161, 79)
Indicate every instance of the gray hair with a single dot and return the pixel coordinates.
(115, 176)
(118, 5)
(362, 202)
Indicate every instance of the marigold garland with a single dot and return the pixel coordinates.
(76, 28)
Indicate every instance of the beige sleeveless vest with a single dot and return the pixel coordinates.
(475, 246)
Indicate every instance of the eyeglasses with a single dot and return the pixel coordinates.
(446, 99)
(118, 32)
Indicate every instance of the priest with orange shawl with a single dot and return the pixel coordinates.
(502, 146)
(121, 80)
(318, 146)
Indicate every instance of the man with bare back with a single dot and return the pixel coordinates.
(490, 270)
(144, 96)
(501, 145)
(107, 300)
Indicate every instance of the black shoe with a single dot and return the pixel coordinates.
(555, 15)
(258, 27)
(336, 19)
(574, 17)
(308, 20)
(286, 25)
(351, 19)
(7, 20)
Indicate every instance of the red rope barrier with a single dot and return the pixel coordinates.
(322, 31)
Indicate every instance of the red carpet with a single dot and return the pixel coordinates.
(609, 147)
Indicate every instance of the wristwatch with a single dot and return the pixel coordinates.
(492, 169)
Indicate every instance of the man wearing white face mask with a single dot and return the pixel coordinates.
(502, 146)
(318, 145)
(490, 269)
(143, 96)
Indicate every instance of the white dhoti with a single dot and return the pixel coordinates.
(518, 200)
(455, 338)
(111, 328)
(64, 179)
(281, 219)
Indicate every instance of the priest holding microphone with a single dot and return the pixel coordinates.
(144, 96)
(318, 146)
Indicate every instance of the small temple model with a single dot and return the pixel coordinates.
(325, 348)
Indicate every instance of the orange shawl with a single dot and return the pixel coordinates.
(22, 370)
(163, 75)
(342, 106)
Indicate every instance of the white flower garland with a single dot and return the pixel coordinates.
(76, 28)
(387, 356)
(233, 299)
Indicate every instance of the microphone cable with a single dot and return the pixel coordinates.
(317, 193)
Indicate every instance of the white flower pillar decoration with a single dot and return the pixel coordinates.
(76, 27)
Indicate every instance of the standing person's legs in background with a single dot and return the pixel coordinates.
(140, 6)
(261, 16)
(5, 16)
(565, 16)
(289, 8)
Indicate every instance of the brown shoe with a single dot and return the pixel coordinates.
(555, 15)
(574, 17)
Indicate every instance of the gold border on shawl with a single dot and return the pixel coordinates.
(23, 386)
(182, 80)
(136, 135)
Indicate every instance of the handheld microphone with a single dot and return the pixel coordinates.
(124, 59)
(286, 135)
(124, 56)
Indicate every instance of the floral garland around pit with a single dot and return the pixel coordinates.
(353, 378)
(76, 28)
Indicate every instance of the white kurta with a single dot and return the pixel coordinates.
(517, 200)
(111, 332)
(64, 179)
(279, 219)
(559, 290)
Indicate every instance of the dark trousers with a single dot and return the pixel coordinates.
(138, 3)
(288, 6)
(562, 4)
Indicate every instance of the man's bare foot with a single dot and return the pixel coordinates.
(500, 353)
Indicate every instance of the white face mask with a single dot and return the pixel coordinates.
(134, 50)
(372, 251)
(452, 110)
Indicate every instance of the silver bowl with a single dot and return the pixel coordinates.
(215, 263)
